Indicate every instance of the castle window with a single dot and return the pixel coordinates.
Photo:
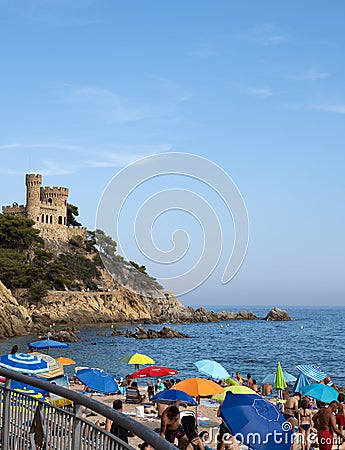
(38, 219)
(51, 219)
(60, 220)
(64, 220)
(65, 203)
(50, 200)
(42, 218)
(47, 218)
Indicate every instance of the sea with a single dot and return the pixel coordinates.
(314, 336)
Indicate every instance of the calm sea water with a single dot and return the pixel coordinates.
(315, 336)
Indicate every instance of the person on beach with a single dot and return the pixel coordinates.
(145, 446)
(238, 378)
(256, 387)
(305, 423)
(249, 381)
(325, 424)
(14, 350)
(267, 389)
(171, 428)
(116, 429)
(340, 414)
(291, 409)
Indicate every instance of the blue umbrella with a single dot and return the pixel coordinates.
(311, 371)
(256, 422)
(47, 344)
(301, 381)
(24, 363)
(322, 392)
(212, 369)
(170, 396)
(98, 380)
(270, 378)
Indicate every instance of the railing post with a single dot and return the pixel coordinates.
(76, 433)
(6, 415)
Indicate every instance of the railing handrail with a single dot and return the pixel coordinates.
(140, 430)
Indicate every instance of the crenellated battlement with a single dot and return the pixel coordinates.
(47, 207)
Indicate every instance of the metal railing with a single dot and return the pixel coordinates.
(30, 423)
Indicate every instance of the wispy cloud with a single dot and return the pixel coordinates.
(159, 98)
(259, 92)
(266, 34)
(115, 107)
(335, 108)
(53, 162)
(309, 75)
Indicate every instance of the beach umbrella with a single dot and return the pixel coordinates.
(270, 378)
(301, 381)
(97, 380)
(55, 368)
(212, 369)
(171, 396)
(47, 344)
(154, 371)
(199, 387)
(312, 371)
(24, 363)
(321, 392)
(279, 382)
(235, 390)
(64, 361)
(256, 422)
(137, 359)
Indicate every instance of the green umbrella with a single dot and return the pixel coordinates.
(279, 382)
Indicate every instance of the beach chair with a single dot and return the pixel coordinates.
(133, 395)
(189, 424)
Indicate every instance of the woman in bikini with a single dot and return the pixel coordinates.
(305, 423)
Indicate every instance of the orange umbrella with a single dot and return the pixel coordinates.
(199, 387)
(65, 361)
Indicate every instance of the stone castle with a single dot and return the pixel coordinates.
(47, 207)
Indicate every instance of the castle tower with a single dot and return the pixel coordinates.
(33, 187)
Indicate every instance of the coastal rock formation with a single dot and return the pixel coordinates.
(62, 336)
(15, 319)
(165, 333)
(278, 315)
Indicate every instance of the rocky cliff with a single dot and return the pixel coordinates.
(20, 316)
(14, 319)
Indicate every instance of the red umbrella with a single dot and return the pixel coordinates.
(153, 371)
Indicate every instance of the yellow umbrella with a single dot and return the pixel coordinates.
(199, 387)
(65, 361)
(137, 359)
(235, 390)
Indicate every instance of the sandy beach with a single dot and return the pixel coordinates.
(206, 413)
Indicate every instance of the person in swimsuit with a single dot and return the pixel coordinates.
(340, 414)
(171, 428)
(291, 408)
(325, 424)
(305, 423)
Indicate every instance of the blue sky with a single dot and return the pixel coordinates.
(88, 87)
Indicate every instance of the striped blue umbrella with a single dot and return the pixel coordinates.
(24, 363)
(312, 371)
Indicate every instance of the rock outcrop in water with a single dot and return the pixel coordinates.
(164, 333)
(277, 314)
